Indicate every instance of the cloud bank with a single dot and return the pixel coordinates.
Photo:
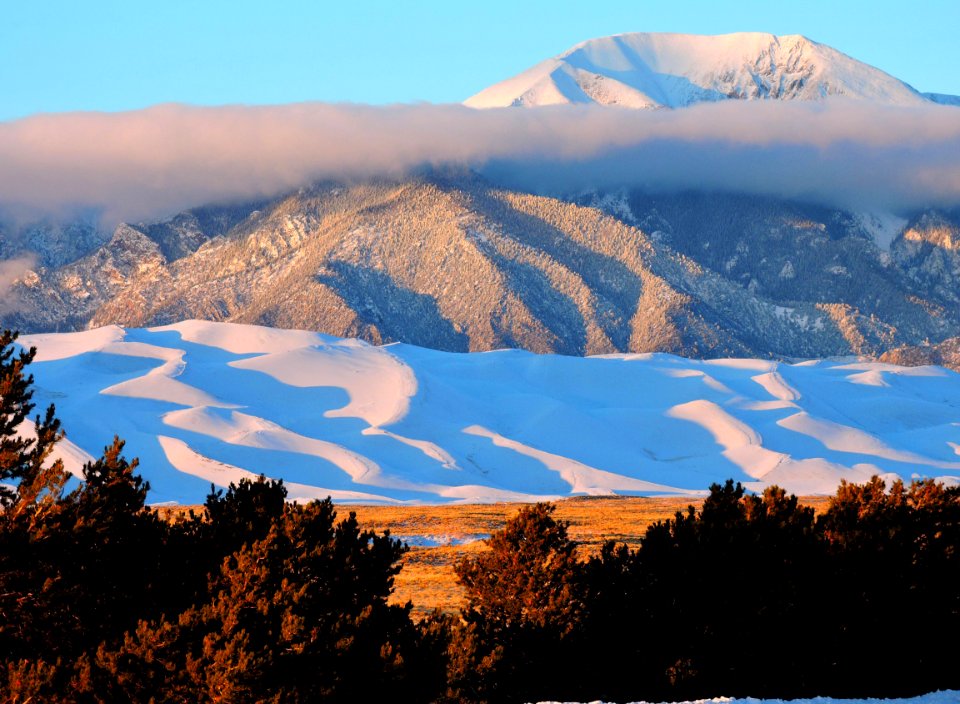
(10, 271)
(155, 162)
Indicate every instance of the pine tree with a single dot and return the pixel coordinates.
(29, 497)
(525, 606)
(22, 458)
(892, 545)
(528, 577)
(299, 615)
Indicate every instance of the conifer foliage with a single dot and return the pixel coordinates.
(299, 615)
(750, 595)
(524, 611)
(22, 457)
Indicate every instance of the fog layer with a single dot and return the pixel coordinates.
(154, 162)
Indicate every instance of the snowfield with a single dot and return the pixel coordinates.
(645, 70)
(203, 403)
(947, 697)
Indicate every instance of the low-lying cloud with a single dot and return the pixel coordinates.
(10, 271)
(154, 162)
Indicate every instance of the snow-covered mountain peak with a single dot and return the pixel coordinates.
(652, 70)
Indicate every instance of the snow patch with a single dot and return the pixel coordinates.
(882, 227)
(440, 539)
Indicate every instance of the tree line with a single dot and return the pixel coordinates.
(254, 599)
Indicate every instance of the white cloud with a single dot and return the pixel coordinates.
(153, 162)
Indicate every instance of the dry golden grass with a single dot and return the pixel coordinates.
(427, 578)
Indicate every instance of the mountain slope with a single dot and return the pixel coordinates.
(77, 274)
(453, 266)
(454, 263)
(647, 70)
(206, 402)
(943, 98)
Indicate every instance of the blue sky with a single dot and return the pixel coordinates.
(63, 55)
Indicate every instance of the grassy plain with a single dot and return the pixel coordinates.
(441, 535)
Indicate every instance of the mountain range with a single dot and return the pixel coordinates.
(454, 263)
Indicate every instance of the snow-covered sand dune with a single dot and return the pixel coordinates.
(203, 402)
(945, 697)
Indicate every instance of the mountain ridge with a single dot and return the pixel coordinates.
(453, 262)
